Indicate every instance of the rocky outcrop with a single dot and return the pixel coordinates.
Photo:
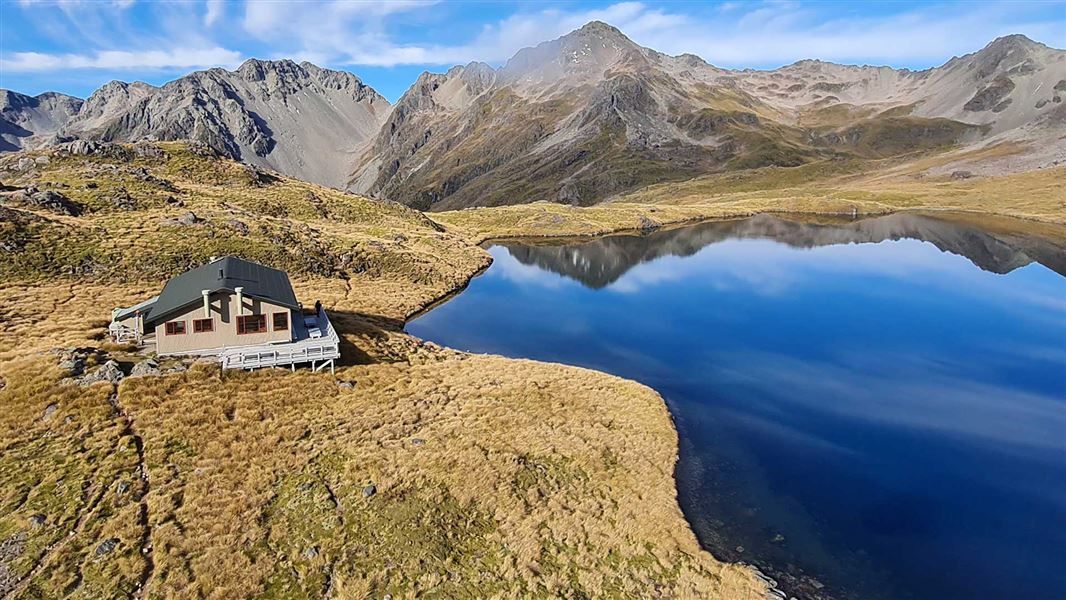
(48, 200)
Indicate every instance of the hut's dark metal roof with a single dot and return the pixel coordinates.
(223, 274)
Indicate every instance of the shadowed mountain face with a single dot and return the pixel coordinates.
(600, 262)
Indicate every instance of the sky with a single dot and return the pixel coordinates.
(75, 46)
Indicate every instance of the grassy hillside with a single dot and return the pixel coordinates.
(416, 471)
(849, 186)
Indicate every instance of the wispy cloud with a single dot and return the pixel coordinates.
(744, 34)
(21, 62)
(71, 36)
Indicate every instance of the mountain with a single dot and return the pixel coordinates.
(592, 114)
(28, 121)
(297, 119)
(602, 261)
(577, 120)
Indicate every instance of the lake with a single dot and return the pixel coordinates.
(867, 408)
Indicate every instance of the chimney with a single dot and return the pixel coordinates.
(207, 303)
(240, 299)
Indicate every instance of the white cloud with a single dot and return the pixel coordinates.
(22, 62)
(499, 41)
(741, 34)
(213, 12)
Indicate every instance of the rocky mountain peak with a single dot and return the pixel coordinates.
(255, 69)
(1013, 41)
(577, 57)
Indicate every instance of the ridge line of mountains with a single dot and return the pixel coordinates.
(577, 120)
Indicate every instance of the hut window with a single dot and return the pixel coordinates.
(203, 325)
(281, 321)
(251, 324)
(175, 327)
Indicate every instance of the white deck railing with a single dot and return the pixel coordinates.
(322, 350)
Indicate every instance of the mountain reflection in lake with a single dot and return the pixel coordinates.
(876, 406)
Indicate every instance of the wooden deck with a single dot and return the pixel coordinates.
(318, 352)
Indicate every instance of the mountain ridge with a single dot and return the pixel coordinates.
(578, 119)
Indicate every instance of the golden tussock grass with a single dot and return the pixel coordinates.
(492, 477)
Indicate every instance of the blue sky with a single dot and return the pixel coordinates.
(74, 46)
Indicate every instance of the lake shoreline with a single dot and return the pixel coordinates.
(775, 578)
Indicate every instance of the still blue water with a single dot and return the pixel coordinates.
(877, 407)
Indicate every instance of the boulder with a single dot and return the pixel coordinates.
(110, 373)
(186, 220)
(106, 546)
(47, 200)
(369, 490)
(147, 367)
(49, 412)
(122, 200)
(145, 149)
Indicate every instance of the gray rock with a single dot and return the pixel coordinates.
(42, 160)
(75, 365)
(346, 384)
(147, 367)
(145, 149)
(25, 164)
(122, 200)
(647, 225)
(959, 175)
(417, 442)
(369, 490)
(311, 552)
(49, 412)
(94, 148)
(38, 520)
(13, 546)
(122, 488)
(110, 372)
(48, 200)
(240, 226)
(185, 220)
(107, 546)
